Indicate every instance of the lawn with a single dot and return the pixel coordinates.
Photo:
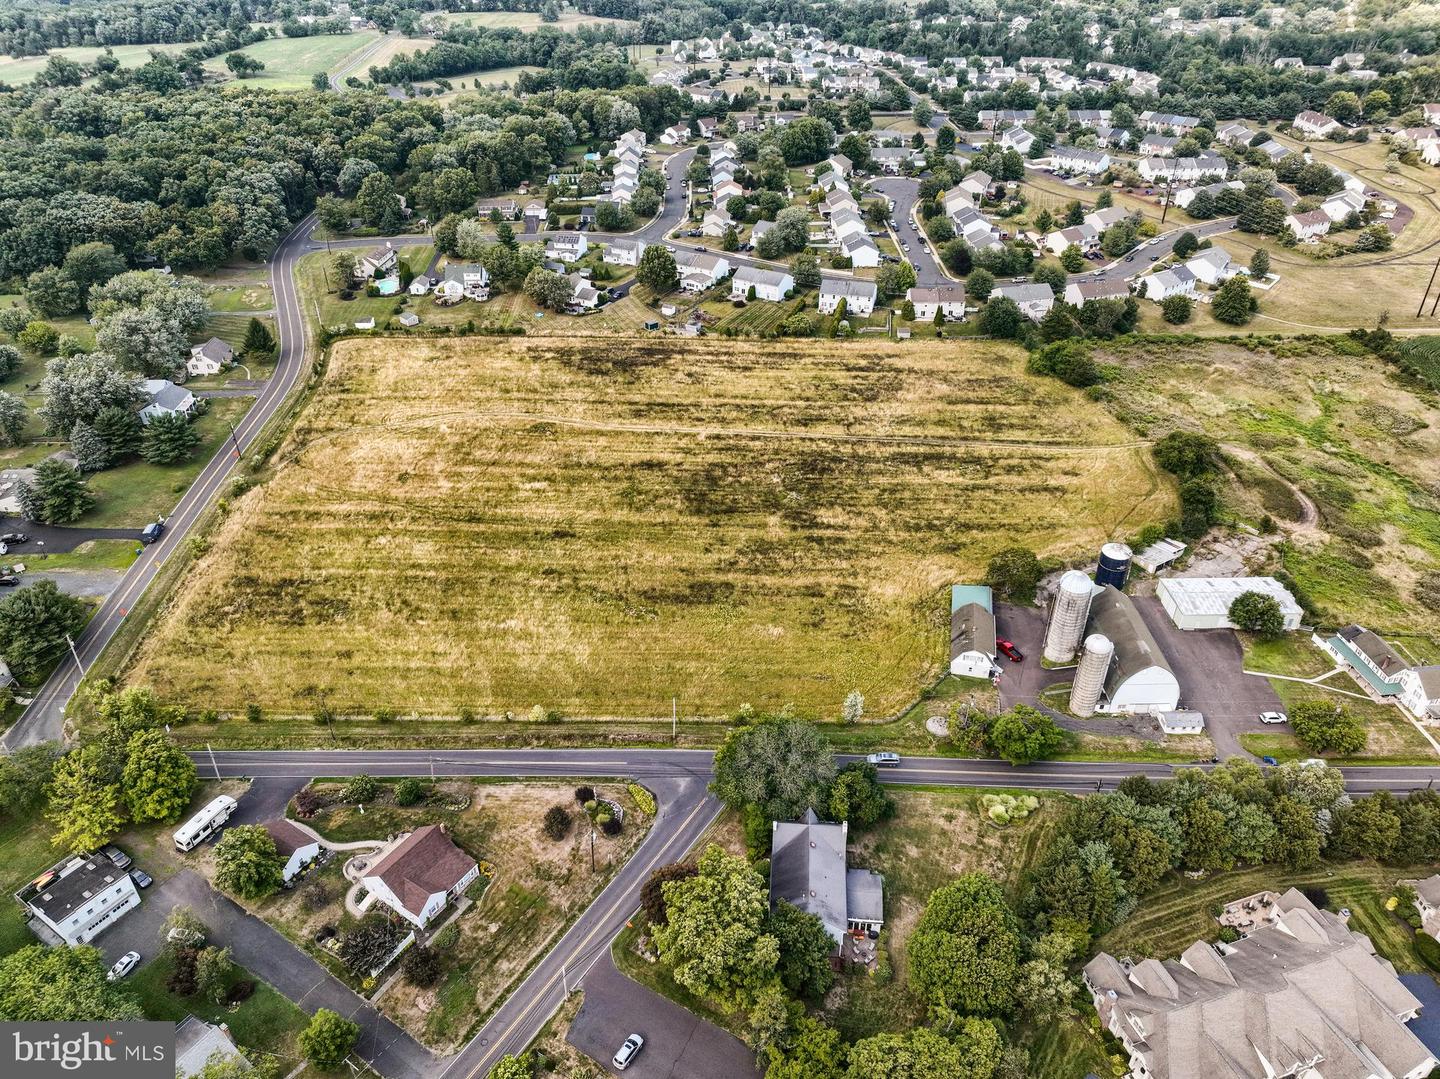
(597, 527)
(92, 554)
(19, 70)
(536, 887)
(291, 62)
(1293, 655)
(1392, 737)
(135, 494)
(529, 20)
(25, 851)
(318, 285)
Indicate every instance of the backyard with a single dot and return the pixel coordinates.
(496, 524)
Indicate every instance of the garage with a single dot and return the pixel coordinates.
(1204, 602)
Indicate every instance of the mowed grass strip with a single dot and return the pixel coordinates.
(597, 526)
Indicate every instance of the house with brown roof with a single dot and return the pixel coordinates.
(298, 847)
(421, 874)
(1303, 996)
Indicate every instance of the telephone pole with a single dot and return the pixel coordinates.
(1428, 284)
(212, 760)
(74, 654)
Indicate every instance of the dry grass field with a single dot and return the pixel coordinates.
(595, 526)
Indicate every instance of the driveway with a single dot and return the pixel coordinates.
(85, 583)
(678, 1043)
(54, 540)
(264, 801)
(267, 954)
(1209, 664)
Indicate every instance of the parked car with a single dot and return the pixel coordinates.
(1011, 652)
(14, 537)
(116, 855)
(9, 580)
(699, 247)
(628, 1052)
(141, 878)
(152, 533)
(1270, 761)
(884, 759)
(123, 966)
(1274, 717)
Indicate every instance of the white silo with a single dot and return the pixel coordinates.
(1067, 617)
(1090, 674)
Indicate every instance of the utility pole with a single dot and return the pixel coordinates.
(592, 849)
(674, 719)
(212, 760)
(432, 766)
(235, 441)
(1428, 285)
(564, 982)
(74, 654)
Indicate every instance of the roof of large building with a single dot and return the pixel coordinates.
(847, 286)
(1375, 648)
(1301, 991)
(423, 863)
(807, 869)
(936, 294)
(972, 629)
(75, 881)
(163, 392)
(1114, 614)
(1213, 595)
(756, 275)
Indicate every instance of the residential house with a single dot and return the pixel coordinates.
(1033, 299)
(1158, 145)
(1427, 902)
(1314, 125)
(972, 631)
(1075, 160)
(700, 270)
(1234, 133)
(860, 250)
(723, 190)
(808, 870)
(838, 200)
(717, 222)
(583, 294)
(949, 300)
(1186, 195)
(79, 897)
(847, 222)
(1303, 996)
(298, 847)
(1079, 293)
(1274, 151)
(1017, 139)
(859, 296)
(378, 262)
(890, 159)
(841, 164)
(1341, 205)
(464, 280)
(419, 876)
(508, 209)
(420, 285)
(164, 398)
(955, 200)
(1308, 226)
(198, 1043)
(1100, 220)
(1173, 282)
(1282, 62)
(624, 252)
(772, 285)
(1182, 170)
(1212, 266)
(1083, 236)
(977, 183)
(535, 215)
(567, 247)
(676, 135)
(1432, 113)
(708, 125)
(1168, 121)
(1368, 657)
(1420, 692)
(209, 358)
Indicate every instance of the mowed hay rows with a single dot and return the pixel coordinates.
(597, 526)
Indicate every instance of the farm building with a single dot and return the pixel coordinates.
(1204, 602)
(972, 630)
(1139, 680)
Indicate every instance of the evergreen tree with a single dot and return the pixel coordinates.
(1259, 263)
(259, 342)
(121, 430)
(58, 495)
(169, 439)
(91, 452)
(1233, 302)
(14, 417)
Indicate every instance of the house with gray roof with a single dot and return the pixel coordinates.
(808, 871)
(164, 398)
(972, 631)
(1420, 692)
(1034, 299)
(859, 296)
(209, 358)
(198, 1043)
(1303, 996)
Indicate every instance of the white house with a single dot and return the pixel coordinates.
(977, 183)
(841, 164)
(1017, 139)
(717, 223)
(1211, 266)
(197, 1043)
(1074, 159)
(623, 252)
(1308, 226)
(771, 285)
(298, 847)
(860, 250)
(1420, 692)
(972, 631)
(676, 135)
(1083, 236)
(420, 285)
(1100, 220)
(1033, 299)
(1079, 293)
(80, 896)
(1176, 282)
(956, 199)
(700, 270)
(464, 280)
(1341, 205)
(583, 294)
(377, 263)
(948, 299)
(567, 247)
(1315, 125)
(421, 874)
(209, 358)
(164, 398)
(859, 296)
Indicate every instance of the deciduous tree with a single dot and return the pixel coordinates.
(62, 985)
(85, 803)
(965, 950)
(327, 1041)
(247, 863)
(159, 777)
(781, 766)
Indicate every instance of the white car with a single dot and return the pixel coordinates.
(123, 966)
(1274, 717)
(628, 1052)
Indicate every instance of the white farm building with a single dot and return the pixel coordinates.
(1138, 680)
(1204, 602)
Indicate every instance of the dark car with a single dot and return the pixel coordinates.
(9, 580)
(116, 855)
(152, 533)
(141, 878)
(14, 537)
(699, 247)
(1009, 649)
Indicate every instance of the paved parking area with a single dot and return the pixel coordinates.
(678, 1043)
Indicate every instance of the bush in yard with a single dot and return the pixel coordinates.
(1024, 734)
(610, 826)
(369, 944)
(361, 788)
(213, 968)
(421, 967)
(241, 991)
(1428, 948)
(1258, 613)
(327, 1041)
(557, 822)
(316, 895)
(643, 799)
(1176, 309)
(1326, 728)
(182, 978)
(409, 792)
(447, 938)
(652, 892)
(308, 803)
(512, 1067)
(584, 795)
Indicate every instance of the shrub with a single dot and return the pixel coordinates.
(182, 979)
(1326, 728)
(253, 713)
(361, 788)
(308, 803)
(557, 822)
(1319, 896)
(447, 938)
(420, 966)
(409, 791)
(652, 894)
(584, 794)
(1428, 948)
(611, 826)
(242, 990)
(316, 895)
(643, 799)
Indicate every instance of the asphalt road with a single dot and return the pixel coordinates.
(44, 719)
(53, 539)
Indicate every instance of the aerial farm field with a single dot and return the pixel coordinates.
(290, 62)
(594, 526)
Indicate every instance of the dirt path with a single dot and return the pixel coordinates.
(1309, 515)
